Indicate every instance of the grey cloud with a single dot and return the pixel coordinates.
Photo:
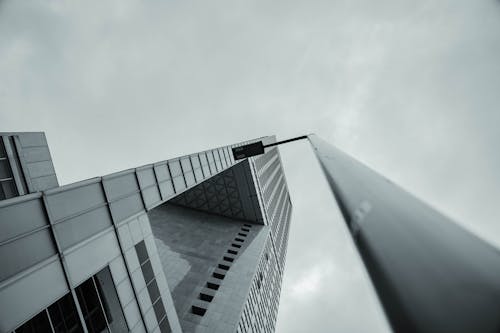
(409, 87)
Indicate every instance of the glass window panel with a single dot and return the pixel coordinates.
(175, 168)
(5, 169)
(64, 316)
(159, 310)
(142, 252)
(189, 178)
(218, 164)
(2, 148)
(154, 293)
(39, 323)
(195, 161)
(147, 271)
(17, 166)
(165, 326)
(110, 302)
(186, 164)
(91, 307)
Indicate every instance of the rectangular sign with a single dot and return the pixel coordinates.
(253, 149)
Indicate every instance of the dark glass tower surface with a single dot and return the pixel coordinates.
(190, 244)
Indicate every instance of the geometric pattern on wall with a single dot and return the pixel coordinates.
(218, 195)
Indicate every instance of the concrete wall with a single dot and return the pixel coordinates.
(191, 245)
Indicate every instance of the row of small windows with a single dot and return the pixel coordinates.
(152, 286)
(8, 186)
(261, 160)
(99, 304)
(220, 272)
(100, 307)
(261, 308)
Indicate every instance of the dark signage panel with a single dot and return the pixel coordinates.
(249, 150)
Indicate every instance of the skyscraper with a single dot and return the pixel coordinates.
(191, 244)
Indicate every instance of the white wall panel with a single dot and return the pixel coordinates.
(132, 260)
(135, 231)
(132, 315)
(138, 279)
(125, 292)
(25, 297)
(86, 260)
(139, 328)
(150, 319)
(118, 270)
(145, 225)
(125, 237)
(144, 300)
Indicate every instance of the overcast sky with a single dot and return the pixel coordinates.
(411, 88)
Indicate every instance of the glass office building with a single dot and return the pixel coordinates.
(191, 244)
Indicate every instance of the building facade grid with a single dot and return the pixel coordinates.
(55, 239)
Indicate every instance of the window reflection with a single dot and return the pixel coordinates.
(110, 302)
(64, 316)
(91, 307)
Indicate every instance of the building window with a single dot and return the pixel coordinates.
(64, 316)
(91, 307)
(110, 301)
(153, 291)
(39, 323)
(8, 187)
(100, 305)
(60, 317)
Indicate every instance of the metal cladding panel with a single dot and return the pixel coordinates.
(32, 139)
(41, 169)
(161, 171)
(22, 253)
(179, 183)
(146, 176)
(80, 197)
(36, 154)
(126, 207)
(430, 274)
(151, 196)
(92, 256)
(166, 189)
(45, 182)
(19, 216)
(41, 287)
(79, 228)
(35, 160)
(120, 184)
